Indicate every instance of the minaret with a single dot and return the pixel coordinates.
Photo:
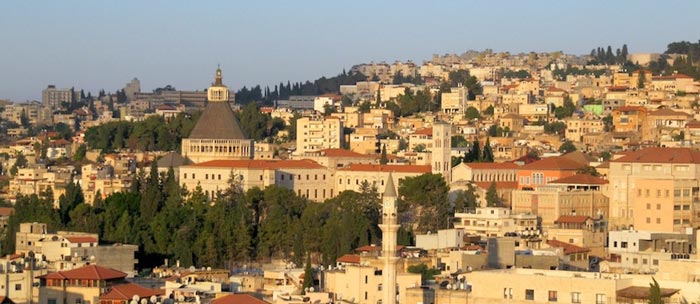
(389, 228)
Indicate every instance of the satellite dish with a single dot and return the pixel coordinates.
(144, 301)
(133, 302)
(136, 298)
(154, 299)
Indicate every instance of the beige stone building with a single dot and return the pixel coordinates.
(363, 284)
(575, 195)
(576, 128)
(318, 133)
(352, 176)
(655, 189)
(455, 101)
(305, 177)
(496, 222)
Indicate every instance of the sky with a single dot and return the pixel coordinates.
(95, 45)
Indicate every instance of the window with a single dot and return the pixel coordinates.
(206, 176)
(366, 279)
(51, 301)
(575, 297)
(530, 294)
(658, 206)
(623, 244)
(507, 293)
(648, 206)
(599, 298)
(18, 286)
(552, 296)
(635, 261)
(655, 262)
(78, 301)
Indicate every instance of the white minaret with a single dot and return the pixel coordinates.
(389, 228)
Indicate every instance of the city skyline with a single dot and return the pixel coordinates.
(102, 46)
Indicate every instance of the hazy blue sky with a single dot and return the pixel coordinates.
(104, 44)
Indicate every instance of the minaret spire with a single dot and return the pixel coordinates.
(389, 228)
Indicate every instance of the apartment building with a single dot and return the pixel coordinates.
(576, 128)
(655, 189)
(496, 222)
(581, 195)
(53, 97)
(318, 133)
(455, 101)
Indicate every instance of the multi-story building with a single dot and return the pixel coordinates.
(655, 189)
(455, 101)
(131, 88)
(318, 133)
(354, 175)
(641, 251)
(496, 222)
(629, 119)
(363, 284)
(53, 97)
(305, 177)
(576, 128)
(440, 152)
(581, 195)
(541, 172)
(64, 250)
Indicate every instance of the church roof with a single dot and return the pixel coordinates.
(172, 159)
(217, 122)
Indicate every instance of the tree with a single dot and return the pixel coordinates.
(590, 170)
(419, 148)
(492, 199)
(384, 159)
(474, 154)
(641, 79)
(472, 113)
(20, 162)
(426, 274)
(567, 147)
(458, 141)
(308, 275)
(487, 157)
(655, 292)
(424, 198)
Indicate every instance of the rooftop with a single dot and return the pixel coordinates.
(90, 272)
(661, 155)
(580, 179)
(261, 164)
(388, 168)
(217, 122)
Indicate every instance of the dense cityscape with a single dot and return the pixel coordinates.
(475, 177)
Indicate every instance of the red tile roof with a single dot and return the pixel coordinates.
(89, 272)
(568, 248)
(661, 155)
(341, 153)
(424, 131)
(499, 185)
(388, 168)
(261, 164)
(617, 88)
(349, 258)
(6, 211)
(127, 291)
(572, 219)
(494, 166)
(240, 298)
(554, 163)
(668, 112)
(81, 239)
(581, 179)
